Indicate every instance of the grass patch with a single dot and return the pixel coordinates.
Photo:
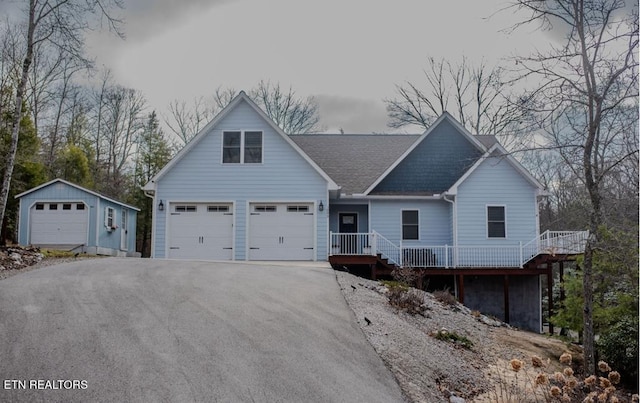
(57, 253)
(453, 337)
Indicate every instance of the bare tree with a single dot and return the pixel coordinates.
(290, 113)
(478, 96)
(61, 23)
(586, 104)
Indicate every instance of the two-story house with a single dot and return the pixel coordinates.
(454, 205)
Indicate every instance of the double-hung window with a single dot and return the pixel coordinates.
(242, 147)
(410, 226)
(496, 222)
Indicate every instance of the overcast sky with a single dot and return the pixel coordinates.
(348, 54)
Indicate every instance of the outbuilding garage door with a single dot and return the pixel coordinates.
(201, 231)
(281, 231)
(59, 223)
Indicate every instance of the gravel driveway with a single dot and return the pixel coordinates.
(140, 330)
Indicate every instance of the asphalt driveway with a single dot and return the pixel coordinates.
(139, 330)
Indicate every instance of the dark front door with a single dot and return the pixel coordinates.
(348, 223)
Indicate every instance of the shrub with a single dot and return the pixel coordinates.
(445, 297)
(520, 383)
(406, 299)
(406, 275)
(618, 345)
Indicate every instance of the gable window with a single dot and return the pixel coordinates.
(242, 147)
(410, 227)
(496, 223)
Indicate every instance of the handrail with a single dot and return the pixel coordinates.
(387, 249)
(373, 243)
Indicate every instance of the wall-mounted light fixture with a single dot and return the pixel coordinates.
(161, 205)
(321, 206)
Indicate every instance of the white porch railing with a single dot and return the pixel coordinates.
(447, 256)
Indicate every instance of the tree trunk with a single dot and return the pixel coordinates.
(17, 114)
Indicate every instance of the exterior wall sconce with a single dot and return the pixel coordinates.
(320, 206)
(161, 205)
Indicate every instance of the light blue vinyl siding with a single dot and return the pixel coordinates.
(283, 176)
(496, 183)
(60, 193)
(433, 216)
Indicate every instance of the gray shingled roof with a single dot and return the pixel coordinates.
(354, 161)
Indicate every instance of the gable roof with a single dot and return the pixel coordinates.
(498, 151)
(354, 160)
(241, 97)
(58, 180)
(445, 116)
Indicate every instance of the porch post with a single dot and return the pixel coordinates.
(521, 258)
(461, 288)
(506, 298)
(373, 243)
(330, 243)
(550, 294)
(446, 256)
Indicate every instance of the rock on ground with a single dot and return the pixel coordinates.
(432, 370)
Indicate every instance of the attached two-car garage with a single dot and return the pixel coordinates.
(275, 231)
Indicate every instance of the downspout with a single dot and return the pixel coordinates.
(455, 217)
(454, 255)
(152, 196)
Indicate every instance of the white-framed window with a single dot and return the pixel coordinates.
(265, 209)
(218, 209)
(109, 218)
(295, 209)
(410, 225)
(242, 147)
(186, 209)
(496, 222)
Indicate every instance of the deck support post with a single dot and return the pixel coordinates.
(373, 271)
(461, 288)
(506, 298)
(550, 294)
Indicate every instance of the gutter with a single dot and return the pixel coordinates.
(455, 216)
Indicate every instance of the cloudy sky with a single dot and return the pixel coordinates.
(348, 54)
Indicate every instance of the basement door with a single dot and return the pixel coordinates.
(201, 231)
(281, 231)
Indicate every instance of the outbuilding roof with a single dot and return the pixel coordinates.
(92, 192)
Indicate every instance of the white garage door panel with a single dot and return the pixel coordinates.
(201, 231)
(58, 227)
(281, 232)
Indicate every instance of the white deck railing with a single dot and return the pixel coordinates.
(447, 256)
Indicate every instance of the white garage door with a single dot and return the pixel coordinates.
(59, 223)
(281, 231)
(201, 231)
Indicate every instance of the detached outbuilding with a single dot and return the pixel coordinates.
(63, 215)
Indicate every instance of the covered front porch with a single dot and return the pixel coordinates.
(348, 247)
